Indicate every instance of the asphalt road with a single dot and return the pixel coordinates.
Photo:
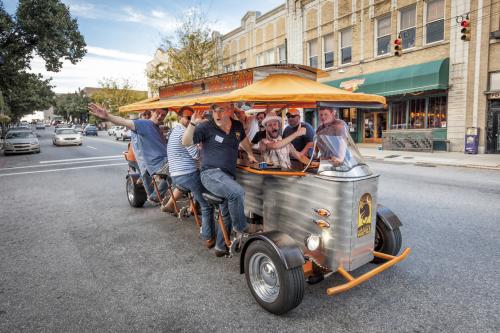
(74, 256)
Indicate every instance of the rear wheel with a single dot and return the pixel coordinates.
(136, 194)
(275, 288)
(386, 240)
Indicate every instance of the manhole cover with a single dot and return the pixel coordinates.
(392, 156)
(408, 157)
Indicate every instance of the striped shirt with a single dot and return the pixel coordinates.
(182, 160)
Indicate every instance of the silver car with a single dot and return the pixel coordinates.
(67, 136)
(20, 142)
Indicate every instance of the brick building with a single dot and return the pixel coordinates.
(439, 86)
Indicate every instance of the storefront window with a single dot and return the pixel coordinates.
(398, 116)
(350, 117)
(437, 112)
(417, 113)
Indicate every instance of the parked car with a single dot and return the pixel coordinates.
(78, 128)
(90, 130)
(20, 142)
(113, 129)
(40, 126)
(122, 133)
(67, 136)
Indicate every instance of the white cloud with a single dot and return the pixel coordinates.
(98, 63)
(116, 54)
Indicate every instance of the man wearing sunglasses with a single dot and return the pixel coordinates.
(149, 137)
(302, 143)
(220, 139)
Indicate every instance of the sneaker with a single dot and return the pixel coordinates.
(220, 254)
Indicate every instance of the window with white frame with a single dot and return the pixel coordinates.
(243, 64)
(346, 46)
(434, 25)
(407, 27)
(270, 57)
(282, 54)
(313, 53)
(260, 59)
(328, 51)
(495, 81)
(383, 29)
(226, 68)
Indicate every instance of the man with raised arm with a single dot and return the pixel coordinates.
(277, 150)
(220, 139)
(149, 137)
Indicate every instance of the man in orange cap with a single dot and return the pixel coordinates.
(304, 142)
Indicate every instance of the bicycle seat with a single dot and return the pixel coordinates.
(212, 199)
(182, 189)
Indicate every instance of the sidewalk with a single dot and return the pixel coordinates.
(480, 161)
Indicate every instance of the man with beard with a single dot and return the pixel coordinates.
(277, 150)
(304, 142)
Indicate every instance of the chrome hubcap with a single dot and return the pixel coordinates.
(130, 190)
(264, 277)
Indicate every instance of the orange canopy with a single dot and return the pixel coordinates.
(276, 88)
(292, 88)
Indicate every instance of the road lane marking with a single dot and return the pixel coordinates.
(81, 159)
(63, 169)
(92, 147)
(67, 163)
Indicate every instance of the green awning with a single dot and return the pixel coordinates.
(427, 76)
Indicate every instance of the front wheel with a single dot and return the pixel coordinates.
(386, 240)
(136, 195)
(275, 288)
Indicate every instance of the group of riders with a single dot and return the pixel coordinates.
(202, 152)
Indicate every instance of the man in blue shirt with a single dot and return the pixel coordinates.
(220, 139)
(302, 143)
(149, 137)
(146, 179)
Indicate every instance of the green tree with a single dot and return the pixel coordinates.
(191, 52)
(72, 107)
(115, 93)
(44, 28)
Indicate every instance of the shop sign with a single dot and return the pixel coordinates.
(352, 85)
(494, 95)
(223, 83)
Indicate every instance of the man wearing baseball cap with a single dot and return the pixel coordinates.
(304, 142)
(277, 150)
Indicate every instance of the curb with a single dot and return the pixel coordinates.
(420, 163)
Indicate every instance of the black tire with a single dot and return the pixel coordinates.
(136, 195)
(38, 151)
(386, 240)
(290, 291)
(116, 138)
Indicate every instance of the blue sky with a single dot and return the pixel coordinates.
(123, 35)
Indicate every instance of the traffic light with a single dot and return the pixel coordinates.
(465, 24)
(398, 46)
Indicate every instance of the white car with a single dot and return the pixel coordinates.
(113, 129)
(20, 142)
(67, 136)
(122, 134)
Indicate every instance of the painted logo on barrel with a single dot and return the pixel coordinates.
(365, 215)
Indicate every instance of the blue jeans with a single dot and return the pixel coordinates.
(193, 183)
(162, 186)
(233, 210)
(146, 180)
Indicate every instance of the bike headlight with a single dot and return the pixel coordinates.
(313, 242)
